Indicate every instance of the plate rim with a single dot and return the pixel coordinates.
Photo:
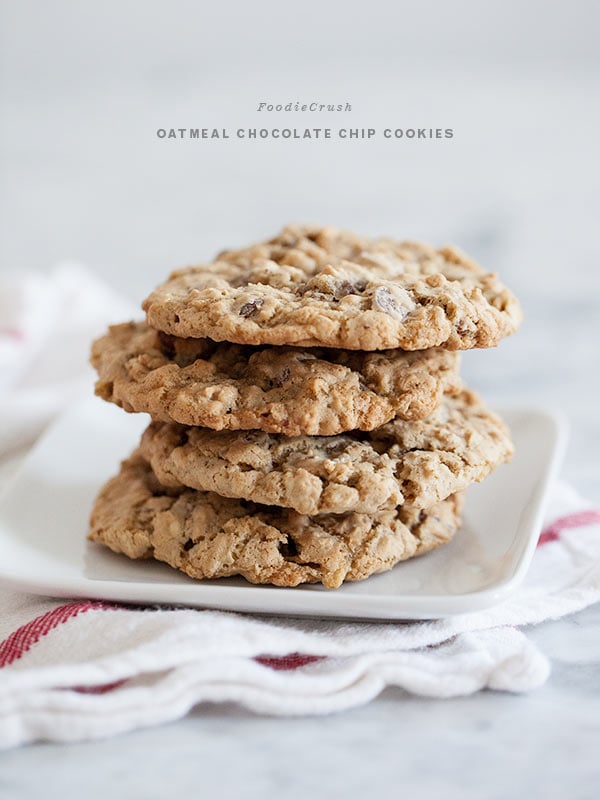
(340, 606)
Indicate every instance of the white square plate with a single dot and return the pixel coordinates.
(44, 513)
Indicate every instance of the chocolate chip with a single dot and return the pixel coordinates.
(384, 301)
(251, 307)
(347, 287)
(383, 298)
(280, 379)
(335, 448)
(188, 545)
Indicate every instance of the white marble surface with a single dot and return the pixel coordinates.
(83, 176)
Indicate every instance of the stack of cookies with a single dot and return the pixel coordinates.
(308, 420)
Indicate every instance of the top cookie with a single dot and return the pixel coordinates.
(314, 286)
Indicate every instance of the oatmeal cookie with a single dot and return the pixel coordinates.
(313, 286)
(275, 389)
(417, 463)
(208, 536)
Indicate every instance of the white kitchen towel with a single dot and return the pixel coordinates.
(80, 670)
(47, 322)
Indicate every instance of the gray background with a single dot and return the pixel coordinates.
(86, 85)
(84, 88)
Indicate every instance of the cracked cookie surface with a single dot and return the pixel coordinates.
(417, 463)
(319, 286)
(208, 536)
(275, 389)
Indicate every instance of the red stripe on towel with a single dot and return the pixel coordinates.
(102, 689)
(23, 639)
(289, 662)
(577, 520)
(13, 333)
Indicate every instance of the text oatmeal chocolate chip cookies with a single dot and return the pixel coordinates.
(314, 286)
(308, 422)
